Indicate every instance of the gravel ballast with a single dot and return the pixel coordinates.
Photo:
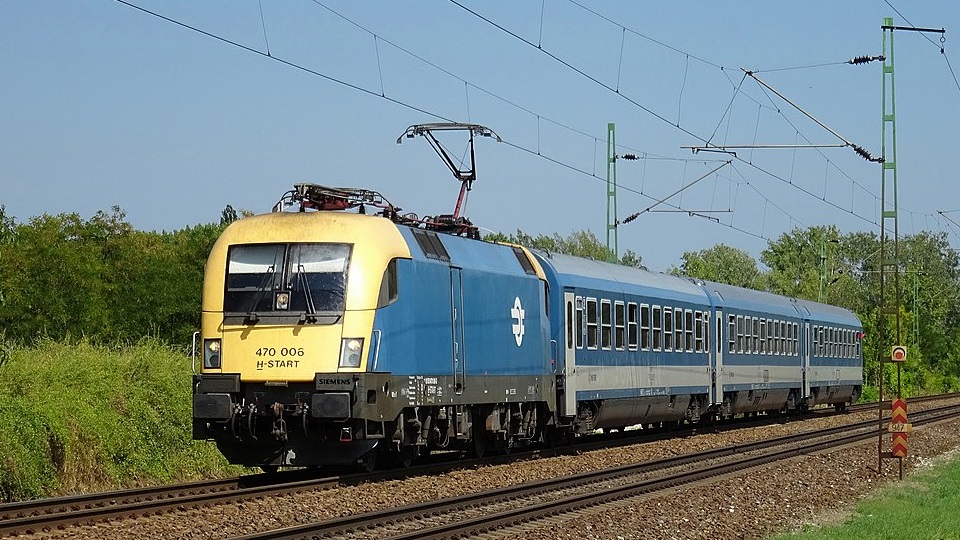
(808, 490)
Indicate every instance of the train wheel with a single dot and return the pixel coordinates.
(478, 444)
(406, 456)
(368, 463)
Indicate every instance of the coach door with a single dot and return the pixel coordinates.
(719, 341)
(571, 334)
(807, 347)
(456, 306)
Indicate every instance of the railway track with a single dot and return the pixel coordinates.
(62, 512)
(518, 506)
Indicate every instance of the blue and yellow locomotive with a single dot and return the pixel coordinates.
(336, 336)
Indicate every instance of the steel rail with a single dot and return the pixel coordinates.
(423, 512)
(61, 512)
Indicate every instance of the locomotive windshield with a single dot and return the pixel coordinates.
(287, 280)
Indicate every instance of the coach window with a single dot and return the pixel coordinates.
(790, 351)
(784, 342)
(747, 335)
(771, 337)
(677, 330)
(740, 336)
(777, 336)
(747, 331)
(619, 326)
(756, 335)
(592, 332)
(706, 331)
(781, 337)
(606, 328)
(688, 329)
(633, 336)
(579, 330)
(698, 322)
(657, 328)
(764, 324)
(732, 333)
(784, 347)
(568, 316)
(667, 329)
(644, 326)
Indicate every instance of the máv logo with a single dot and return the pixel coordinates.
(517, 314)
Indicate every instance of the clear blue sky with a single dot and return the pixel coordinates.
(103, 104)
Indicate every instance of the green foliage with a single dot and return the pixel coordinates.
(62, 276)
(80, 417)
(580, 243)
(925, 507)
(723, 264)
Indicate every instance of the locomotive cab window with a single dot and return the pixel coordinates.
(389, 287)
(287, 279)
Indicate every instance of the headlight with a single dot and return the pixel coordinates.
(283, 301)
(211, 354)
(350, 352)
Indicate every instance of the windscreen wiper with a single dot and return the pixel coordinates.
(309, 316)
(252, 315)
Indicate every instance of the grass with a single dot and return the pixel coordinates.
(80, 418)
(924, 506)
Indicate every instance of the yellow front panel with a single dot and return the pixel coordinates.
(280, 353)
(283, 352)
(289, 353)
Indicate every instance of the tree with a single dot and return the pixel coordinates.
(228, 215)
(581, 243)
(723, 264)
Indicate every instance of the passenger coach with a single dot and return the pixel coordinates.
(334, 337)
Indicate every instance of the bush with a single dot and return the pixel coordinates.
(80, 418)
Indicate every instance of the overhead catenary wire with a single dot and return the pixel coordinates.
(632, 217)
(636, 103)
(647, 155)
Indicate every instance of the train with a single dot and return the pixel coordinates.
(348, 334)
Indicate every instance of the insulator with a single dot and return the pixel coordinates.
(864, 59)
(631, 217)
(863, 153)
(629, 156)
